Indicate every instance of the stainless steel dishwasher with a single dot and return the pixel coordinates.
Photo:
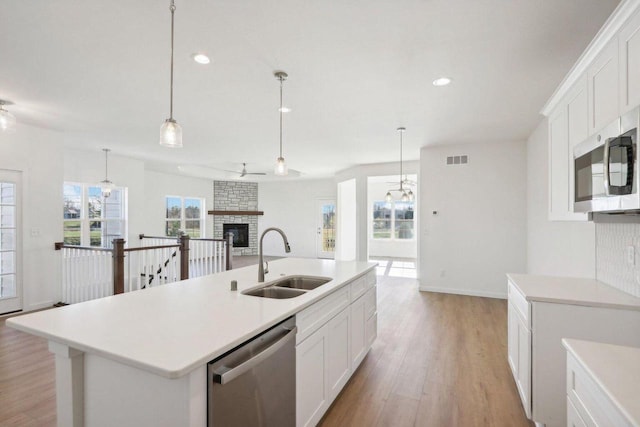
(255, 383)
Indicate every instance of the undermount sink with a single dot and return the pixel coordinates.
(288, 287)
(274, 292)
(301, 282)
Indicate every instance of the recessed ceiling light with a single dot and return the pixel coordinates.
(201, 58)
(442, 81)
(285, 109)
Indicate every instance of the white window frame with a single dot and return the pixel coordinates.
(85, 221)
(392, 237)
(183, 218)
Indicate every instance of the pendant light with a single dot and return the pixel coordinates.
(171, 131)
(281, 167)
(404, 195)
(7, 120)
(105, 185)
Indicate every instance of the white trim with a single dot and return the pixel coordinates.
(469, 292)
(608, 32)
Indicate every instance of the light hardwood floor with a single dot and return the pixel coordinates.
(439, 360)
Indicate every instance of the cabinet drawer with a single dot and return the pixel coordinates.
(313, 317)
(358, 287)
(371, 279)
(589, 400)
(370, 302)
(519, 303)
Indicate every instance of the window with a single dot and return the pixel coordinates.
(186, 214)
(393, 220)
(93, 220)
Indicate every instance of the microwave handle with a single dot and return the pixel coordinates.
(624, 142)
(605, 164)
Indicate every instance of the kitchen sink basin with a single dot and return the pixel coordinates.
(288, 287)
(301, 282)
(274, 292)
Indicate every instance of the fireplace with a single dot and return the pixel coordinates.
(240, 234)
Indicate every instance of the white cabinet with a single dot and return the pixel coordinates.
(602, 77)
(629, 52)
(338, 358)
(326, 355)
(519, 348)
(312, 391)
(568, 126)
(358, 322)
(535, 352)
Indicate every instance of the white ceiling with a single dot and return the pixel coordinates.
(99, 72)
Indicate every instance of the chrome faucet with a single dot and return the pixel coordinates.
(287, 249)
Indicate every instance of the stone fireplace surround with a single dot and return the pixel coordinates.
(236, 196)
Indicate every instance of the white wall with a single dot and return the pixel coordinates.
(158, 185)
(400, 248)
(479, 232)
(347, 221)
(293, 207)
(558, 248)
(37, 153)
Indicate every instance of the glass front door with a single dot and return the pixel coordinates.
(10, 289)
(326, 229)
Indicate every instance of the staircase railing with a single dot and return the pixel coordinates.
(89, 273)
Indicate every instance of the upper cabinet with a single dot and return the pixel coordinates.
(629, 53)
(602, 76)
(602, 85)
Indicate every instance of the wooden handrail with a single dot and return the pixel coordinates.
(144, 236)
(60, 245)
(144, 248)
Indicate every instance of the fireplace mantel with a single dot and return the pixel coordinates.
(236, 213)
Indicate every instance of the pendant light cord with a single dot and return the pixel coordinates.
(401, 132)
(106, 164)
(172, 8)
(281, 79)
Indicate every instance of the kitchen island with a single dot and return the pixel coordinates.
(140, 358)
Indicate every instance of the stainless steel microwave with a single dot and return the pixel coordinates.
(606, 168)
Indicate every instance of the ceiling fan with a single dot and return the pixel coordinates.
(244, 172)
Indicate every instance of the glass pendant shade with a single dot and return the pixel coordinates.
(410, 194)
(171, 134)
(405, 197)
(7, 121)
(281, 167)
(388, 198)
(106, 186)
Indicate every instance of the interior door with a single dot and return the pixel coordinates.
(326, 239)
(10, 280)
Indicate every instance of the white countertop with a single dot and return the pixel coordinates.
(571, 290)
(172, 329)
(616, 369)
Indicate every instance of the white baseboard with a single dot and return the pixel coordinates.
(469, 292)
(38, 306)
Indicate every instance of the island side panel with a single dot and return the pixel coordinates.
(116, 394)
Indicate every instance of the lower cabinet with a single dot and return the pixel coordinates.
(519, 353)
(329, 353)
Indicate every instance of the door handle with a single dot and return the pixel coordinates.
(224, 375)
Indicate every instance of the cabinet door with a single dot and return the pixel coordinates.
(512, 339)
(524, 365)
(578, 131)
(312, 391)
(358, 342)
(558, 165)
(629, 51)
(603, 79)
(338, 359)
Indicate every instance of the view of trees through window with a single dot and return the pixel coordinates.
(184, 214)
(393, 220)
(91, 219)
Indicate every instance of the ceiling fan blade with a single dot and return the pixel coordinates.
(227, 170)
(255, 173)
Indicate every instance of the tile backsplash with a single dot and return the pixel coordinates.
(615, 265)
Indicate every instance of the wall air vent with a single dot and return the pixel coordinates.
(458, 160)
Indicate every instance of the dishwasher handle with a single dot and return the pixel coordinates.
(224, 375)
